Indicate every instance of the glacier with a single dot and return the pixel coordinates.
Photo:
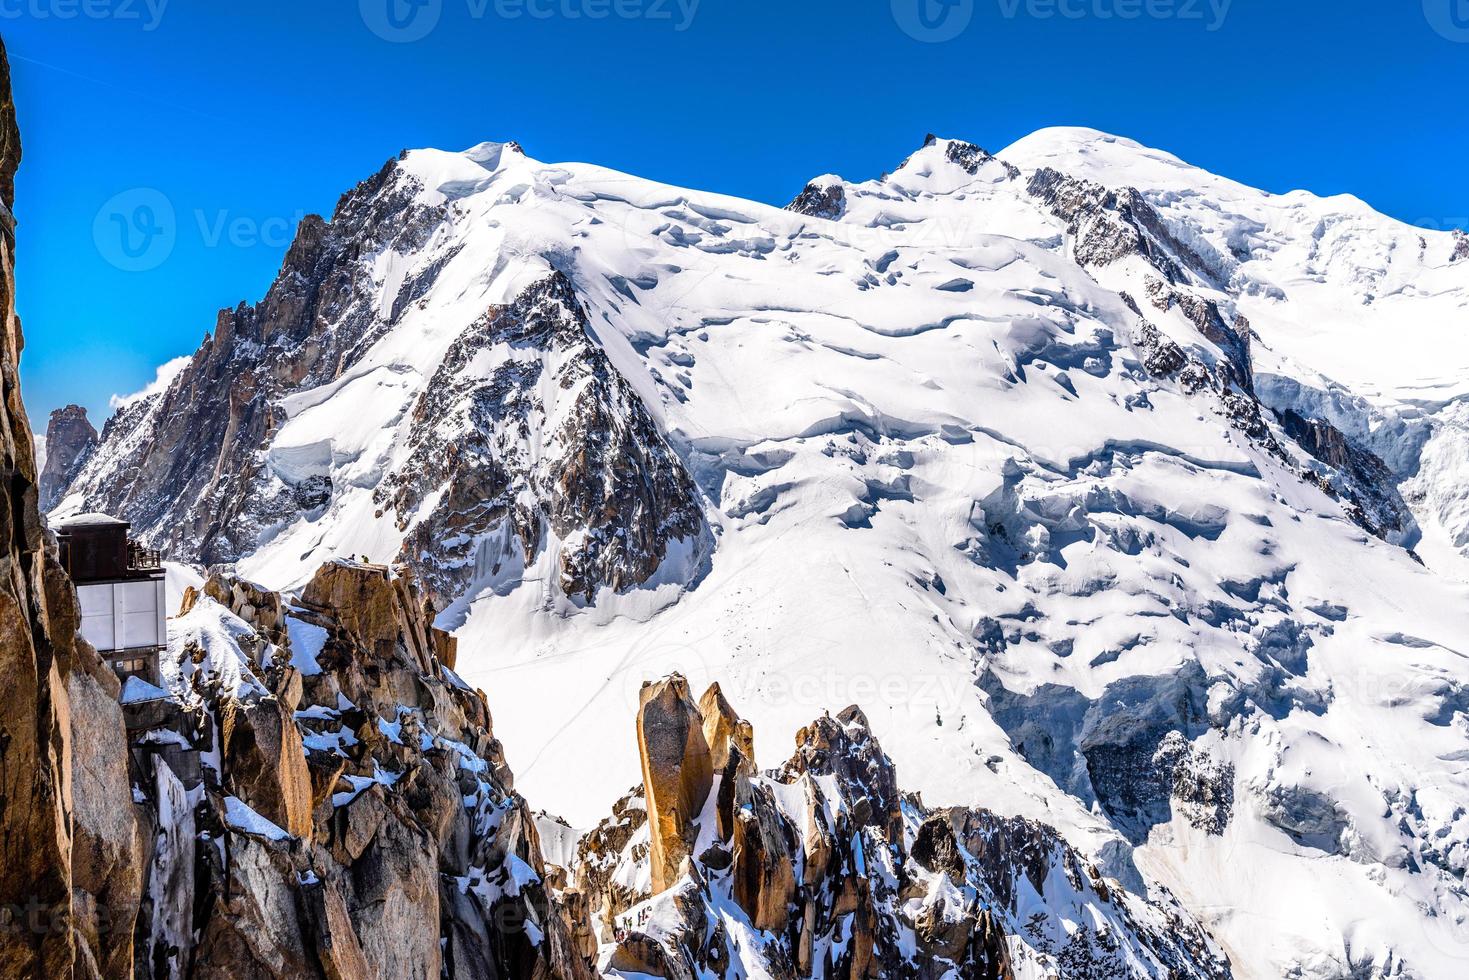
(1122, 497)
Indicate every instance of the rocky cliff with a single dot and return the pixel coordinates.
(308, 791)
(70, 848)
(70, 440)
(328, 797)
(824, 868)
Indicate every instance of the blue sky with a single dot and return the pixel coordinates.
(239, 118)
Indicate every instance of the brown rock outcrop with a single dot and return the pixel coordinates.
(70, 869)
(816, 856)
(363, 601)
(844, 747)
(362, 809)
(726, 732)
(677, 773)
(763, 849)
(108, 846)
(598, 853)
(336, 941)
(255, 604)
(265, 761)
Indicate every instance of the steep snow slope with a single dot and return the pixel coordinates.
(1362, 318)
(1090, 475)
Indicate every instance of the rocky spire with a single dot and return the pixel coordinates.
(677, 773)
(70, 440)
(727, 734)
(823, 869)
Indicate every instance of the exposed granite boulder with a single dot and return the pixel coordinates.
(366, 607)
(70, 440)
(265, 760)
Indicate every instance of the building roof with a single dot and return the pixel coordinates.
(89, 520)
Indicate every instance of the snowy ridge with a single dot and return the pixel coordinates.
(1090, 475)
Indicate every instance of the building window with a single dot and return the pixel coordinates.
(131, 666)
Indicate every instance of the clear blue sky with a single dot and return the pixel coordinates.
(242, 116)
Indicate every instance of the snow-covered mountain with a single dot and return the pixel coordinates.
(1123, 497)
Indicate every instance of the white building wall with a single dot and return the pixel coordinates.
(124, 615)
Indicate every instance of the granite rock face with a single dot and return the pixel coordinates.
(70, 440)
(677, 774)
(555, 441)
(820, 200)
(350, 809)
(70, 847)
(823, 868)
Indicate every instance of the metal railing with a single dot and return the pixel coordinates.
(144, 559)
